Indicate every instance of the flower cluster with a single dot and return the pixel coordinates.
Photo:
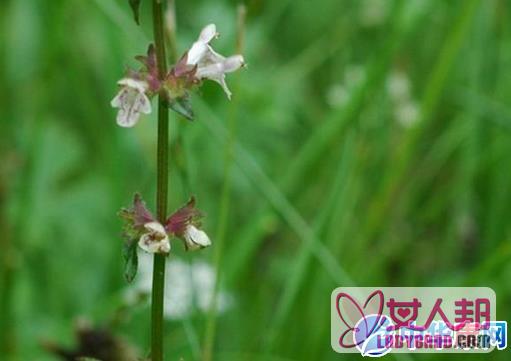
(153, 237)
(200, 62)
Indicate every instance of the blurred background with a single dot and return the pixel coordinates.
(367, 143)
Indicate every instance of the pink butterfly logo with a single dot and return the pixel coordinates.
(351, 313)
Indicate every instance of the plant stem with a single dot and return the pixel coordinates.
(161, 190)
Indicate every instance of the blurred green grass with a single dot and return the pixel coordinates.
(329, 185)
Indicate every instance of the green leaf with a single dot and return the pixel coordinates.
(182, 106)
(135, 7)
(130, 256)
(87, 359)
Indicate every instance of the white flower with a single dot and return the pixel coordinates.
(195, 238)
(210, 64)
(155, 240)
(131, 101)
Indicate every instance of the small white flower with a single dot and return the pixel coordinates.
(210, 64)
(155, 240)
(131, 101)
(195, 238)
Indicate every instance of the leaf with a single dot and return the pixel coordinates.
(135, 7)
(182, 106)
(130, 256)
(87, 359)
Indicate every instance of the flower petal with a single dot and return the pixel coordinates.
(216, 71)
(223, 84)
(218, 77)
(208, 33)
(155, 240)
(210, 71)
(195, 238)
(141, 215)
(148, 245)
(139, 85)
(117, 100)
(233, 63)
(226, 65)
(211, 57)
(131, 101)
(196, 53)
(156, 228)
(145, 103)
(125, 120)
(200, 48)
(180, 219)
(131, 104)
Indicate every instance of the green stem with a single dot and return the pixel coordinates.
(161, 190)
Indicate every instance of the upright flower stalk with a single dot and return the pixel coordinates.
(162, 186)
(172, 87)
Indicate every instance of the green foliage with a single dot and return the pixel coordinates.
(135, 7)
(182, 106)
(129, 253)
